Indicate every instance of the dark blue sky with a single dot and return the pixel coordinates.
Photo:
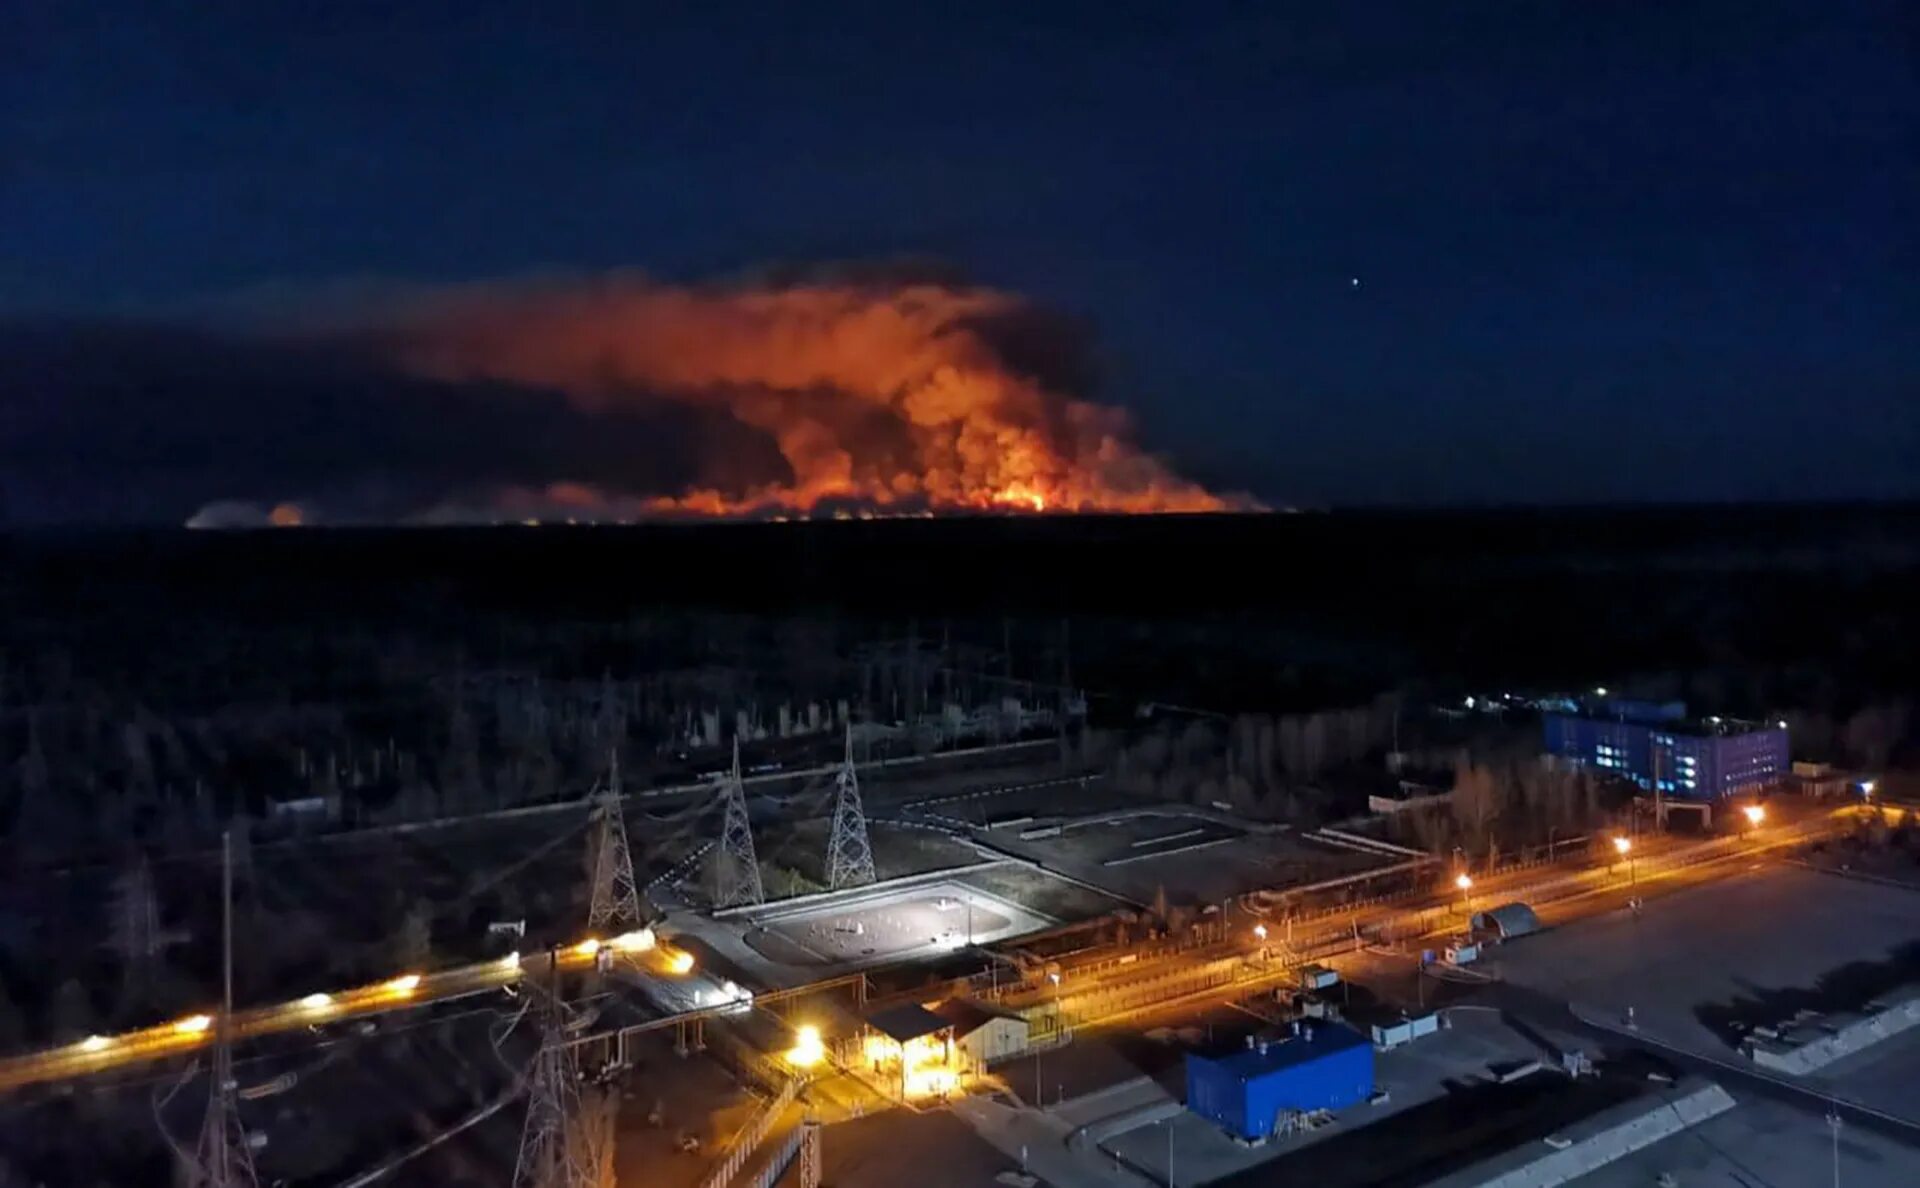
(1605, 251)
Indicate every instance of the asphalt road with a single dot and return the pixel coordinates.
(343, 1008)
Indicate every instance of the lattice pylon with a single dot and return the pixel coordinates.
(739, 869)
(222, 1158)
(551, 1147)
(849, 853)
(615, 903)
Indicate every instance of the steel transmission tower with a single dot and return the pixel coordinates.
(223, 1159)
(849, 854)
(615, 902)
(566, 1141)
(739, 872)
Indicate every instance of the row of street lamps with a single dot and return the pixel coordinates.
(1622, 845)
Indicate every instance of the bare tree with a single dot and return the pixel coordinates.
(133, 929)
(1476, 803)
(460, 781)
(413, 943)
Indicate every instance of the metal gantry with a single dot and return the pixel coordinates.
(849, 852)
(615, 901)
(739, 870)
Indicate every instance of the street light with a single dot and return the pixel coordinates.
(808, 1048)
(1038, 1101)
(1623, 845)
(1755, 813)
(1464, 881)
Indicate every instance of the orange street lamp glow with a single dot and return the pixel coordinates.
(1464, 882)
(808, 1050)
(1755, 814)
(588, 947)
(193, 1024)
(1622, 845)
(404, 984)
(316, 1001)
(93, 1043)
(638, 941)
(680, 961)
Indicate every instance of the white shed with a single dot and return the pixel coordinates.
(986, 1034)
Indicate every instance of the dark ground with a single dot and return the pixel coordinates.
(1222, 611)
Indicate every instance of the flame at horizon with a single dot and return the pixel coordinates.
(889, 399)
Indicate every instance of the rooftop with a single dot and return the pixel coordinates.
(966, 1016)
(909, 1021)
(1668, 716)
(1286, 1051)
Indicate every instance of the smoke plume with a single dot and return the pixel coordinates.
(907, 396)
(608, 399)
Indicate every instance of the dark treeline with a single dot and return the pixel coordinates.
(163, 682)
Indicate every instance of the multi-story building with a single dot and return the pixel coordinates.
(1659, 746)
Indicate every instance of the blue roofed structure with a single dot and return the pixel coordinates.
(1249, 1091)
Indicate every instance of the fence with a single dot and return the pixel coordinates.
(752, 1136)
(770, 1172)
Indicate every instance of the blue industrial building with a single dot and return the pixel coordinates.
(1248, 1090)
(1659, 746)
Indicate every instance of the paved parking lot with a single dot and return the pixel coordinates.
(1693, 963)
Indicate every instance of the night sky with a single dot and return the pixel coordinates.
(1369, 253)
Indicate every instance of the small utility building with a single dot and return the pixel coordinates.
(985, 1033)
(1252, 1091)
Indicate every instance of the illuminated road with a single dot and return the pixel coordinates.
(667, 974)
(97, 1054)
(1087, 993)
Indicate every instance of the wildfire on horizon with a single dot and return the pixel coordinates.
(620, 399)
(895, 399)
